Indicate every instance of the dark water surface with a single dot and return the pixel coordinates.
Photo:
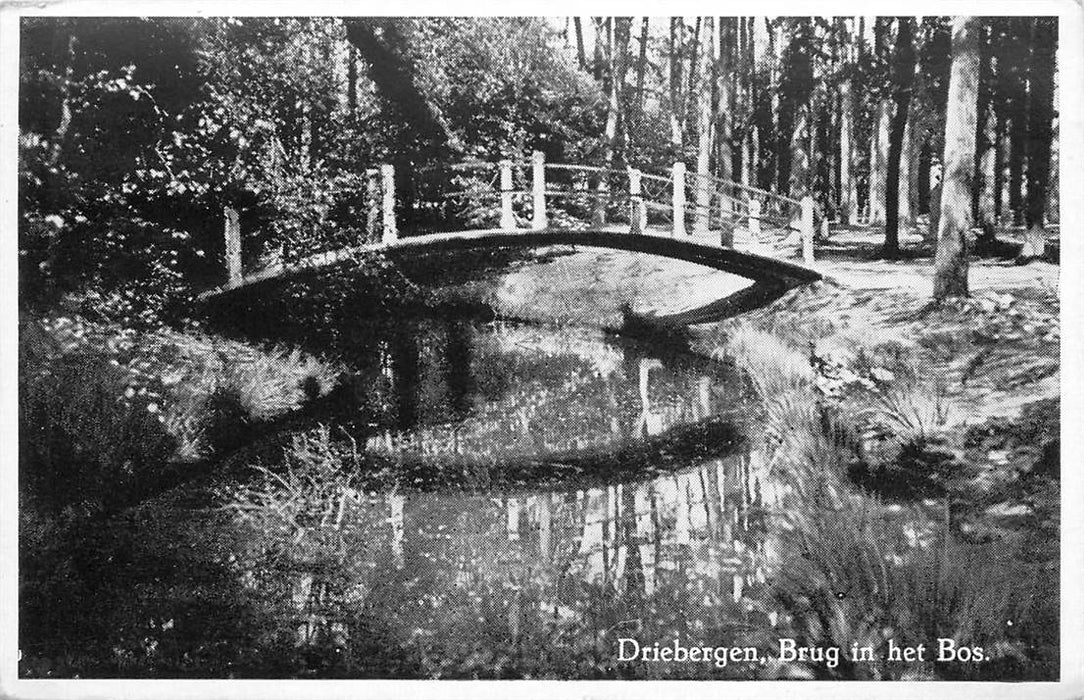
(552, 491)
(476, 499)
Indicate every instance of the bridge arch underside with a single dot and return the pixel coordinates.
(771, 277)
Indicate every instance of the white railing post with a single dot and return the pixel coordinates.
(754, 216)
(372, 205)
(508, 217)
(807, 230)
(678, 198)
(726, 221)
(538, 172)
(232, 232)
(637, 212)
(390, 232)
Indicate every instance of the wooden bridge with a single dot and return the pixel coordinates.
(743, 230)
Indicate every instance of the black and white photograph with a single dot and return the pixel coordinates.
(350, 347)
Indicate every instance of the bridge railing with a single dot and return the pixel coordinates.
(748, 217)
(514, 194)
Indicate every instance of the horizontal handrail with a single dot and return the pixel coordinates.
(746, 188)
(585, 168)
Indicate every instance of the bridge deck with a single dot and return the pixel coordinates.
(701, 249)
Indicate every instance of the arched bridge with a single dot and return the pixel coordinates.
(732, 227)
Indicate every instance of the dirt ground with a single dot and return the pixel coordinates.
(991, 353)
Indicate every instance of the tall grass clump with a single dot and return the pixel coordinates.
(858, 574)
(306, 507)
(772, 365)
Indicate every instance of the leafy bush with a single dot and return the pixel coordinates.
(84, 437)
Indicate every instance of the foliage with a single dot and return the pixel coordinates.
(185, 382)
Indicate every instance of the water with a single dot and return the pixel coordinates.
(543, 493)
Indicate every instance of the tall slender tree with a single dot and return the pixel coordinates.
(950, 259)
(1044, 42)
(903, 79)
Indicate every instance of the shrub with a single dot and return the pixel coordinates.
(86, 437)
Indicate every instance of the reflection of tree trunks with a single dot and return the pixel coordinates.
(457, 368)
(633, 564)
(593, 533)
(703, 395)
(647, 531)
(512, 511)
(615, 537)
(544, 504)
(727, 521)
(397, 503)
(713, 498)
(404, 366)
(682, 526)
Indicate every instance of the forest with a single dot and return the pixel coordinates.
(130, 149)
(483, 465)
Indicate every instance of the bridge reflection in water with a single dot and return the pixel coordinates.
(684, 547)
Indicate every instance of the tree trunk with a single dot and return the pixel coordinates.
(677, 125)
(725, 102)
(882, 125)
(617, 36)
(641, 72)
(847, 194)
(908, 168)
(581, 57)
(985, 206)
(352, 80)
(950, 260)
(983, 112)
(763, 114)
(1017, 159)
(1000, 151)
(878, 162)
(1044, 39)
(706, 96)
(392, 70)
(905, 74)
